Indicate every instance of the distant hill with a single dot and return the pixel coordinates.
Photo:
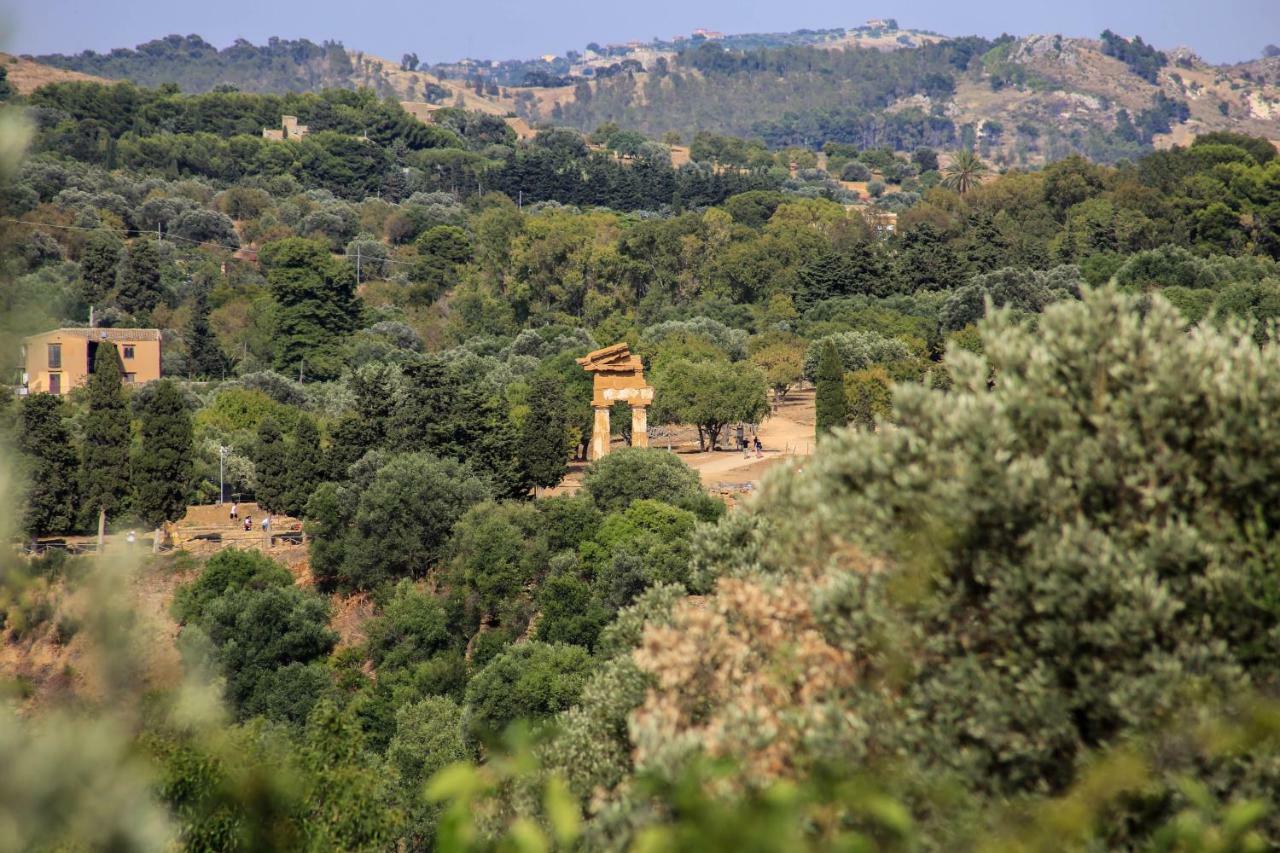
(26, 75)
(1019, 101)
(193, 64)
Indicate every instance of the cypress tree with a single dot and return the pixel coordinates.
(162, 468)
(317, 305)
(46, 444)
(270, 465)
(832, 407)
(99, 263)
(206, 357)
(140, 289)
(105, 466)
(544, 437)
(304, 467)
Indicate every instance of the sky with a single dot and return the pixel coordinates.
(1223, 31)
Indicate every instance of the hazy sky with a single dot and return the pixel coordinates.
(439, 30)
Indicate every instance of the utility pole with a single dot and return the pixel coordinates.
(357, 264)
(222, 488)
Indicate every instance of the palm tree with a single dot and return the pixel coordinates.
(964, 172)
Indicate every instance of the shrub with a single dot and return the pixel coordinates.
(633, 473)
(1101, 490)
(856, 350)
(404, 517)
(530, 681)
(411, 628)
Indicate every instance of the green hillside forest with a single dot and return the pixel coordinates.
(1022, 596)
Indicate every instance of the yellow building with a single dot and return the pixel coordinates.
(57, 361)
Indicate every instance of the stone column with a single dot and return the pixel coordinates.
(640, 425)
(600, 432)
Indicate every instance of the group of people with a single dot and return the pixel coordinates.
(747, 446)
(247, 524)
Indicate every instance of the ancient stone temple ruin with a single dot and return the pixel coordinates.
(618, 376)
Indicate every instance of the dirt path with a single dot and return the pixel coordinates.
(787, 434)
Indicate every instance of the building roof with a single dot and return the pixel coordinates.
(103, 334)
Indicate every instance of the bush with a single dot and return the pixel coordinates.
(531, 681)
(403, 519)
(262, 630)
(428, 738)
(856, 351)
(1102, 490)
(855, 171)
(634, 473)
(411, 628)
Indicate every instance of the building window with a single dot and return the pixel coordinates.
(55, 356)
(131, 378)
(128, 350)
(55, 383)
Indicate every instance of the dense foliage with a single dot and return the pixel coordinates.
(1035, 540)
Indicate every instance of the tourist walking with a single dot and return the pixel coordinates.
(759, 448)
(235, 510)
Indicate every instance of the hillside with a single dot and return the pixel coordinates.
(1022, 101)
(27, 75)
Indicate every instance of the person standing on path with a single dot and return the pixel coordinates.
(759, 448)
(235, 510)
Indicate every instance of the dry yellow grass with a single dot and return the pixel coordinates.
(26, 75)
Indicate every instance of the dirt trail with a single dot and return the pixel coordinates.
(786, 435)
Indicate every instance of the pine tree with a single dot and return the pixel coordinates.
(304, 467)
(46, 445)
(99, 263)
(270, 465)
(544, 439)
(140, 289)
(206, 357)
(162, 468)
(832, 407)
(105, 464)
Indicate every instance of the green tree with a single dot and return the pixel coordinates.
(530, 681)
(45, 443)
(206, 359)
(829, 397)
(496, 551)
(317, 302)
(632, 473)
(709, 394)
(271, 466)
(783, 365)
(545, 438)
(105, 461)
(264, 632)
(162, 465)
(1021, 494)
(404, 517)
(964, 172)
(304, 467)
(99, 264)
(140, 289)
